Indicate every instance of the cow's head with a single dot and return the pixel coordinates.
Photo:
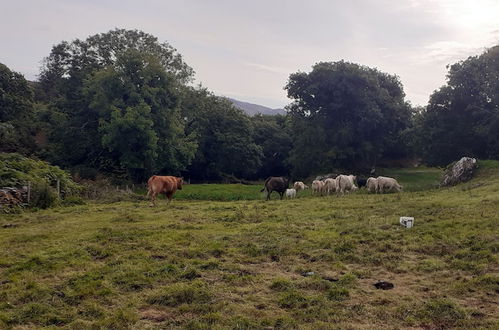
(180, 181)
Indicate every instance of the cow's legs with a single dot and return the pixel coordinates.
(153, 198)
(281, 193)
(268, 194)
(169, 196)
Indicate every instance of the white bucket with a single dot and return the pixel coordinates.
(407, 222)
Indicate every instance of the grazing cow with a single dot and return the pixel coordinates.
(300, 186)
(167, 185)
(345, 183)
(275, 183)
(330, 186)
(291, 193)
(317, 186)
(372, 185)
(388, 184)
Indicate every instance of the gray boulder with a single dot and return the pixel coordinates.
(460, 171)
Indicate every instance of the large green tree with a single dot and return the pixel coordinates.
(139, 120)
(344, 115)
(16, 112)
(78, 134)
(462, 117)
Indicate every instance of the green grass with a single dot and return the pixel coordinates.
(304, 263)
(415, 179)
(219, 192)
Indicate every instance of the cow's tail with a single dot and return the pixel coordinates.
(265, 185)
(149, 185)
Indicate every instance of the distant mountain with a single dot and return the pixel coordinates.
(253, 109)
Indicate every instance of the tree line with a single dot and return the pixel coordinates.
(124, 104)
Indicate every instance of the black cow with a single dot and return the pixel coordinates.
(361, 182)
(275, 183)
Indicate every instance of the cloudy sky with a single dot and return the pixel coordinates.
(247, 49)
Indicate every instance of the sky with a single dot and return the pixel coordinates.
(247, 49)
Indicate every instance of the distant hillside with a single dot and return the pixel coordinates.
(253, 109)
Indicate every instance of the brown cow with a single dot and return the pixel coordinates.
(167, 185)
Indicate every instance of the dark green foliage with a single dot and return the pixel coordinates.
(16, 112)
(42, 195)
(273, 135)
(71, 62)
(226, 148)
(98, 104)
(462, 117)
(139, 122)
(17, 170)
(344, 115)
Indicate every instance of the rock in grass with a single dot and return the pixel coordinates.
(382, 285)
(460, 171)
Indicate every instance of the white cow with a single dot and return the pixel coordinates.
(300, 186)
(317, 186)
(345, 183)
(388, 184)
(372, 185)
(330, 186)
(291, 193)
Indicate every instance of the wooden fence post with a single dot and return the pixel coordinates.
(58, 188)
(29, 191)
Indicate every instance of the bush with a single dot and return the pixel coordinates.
(42, 196)
(17, 170)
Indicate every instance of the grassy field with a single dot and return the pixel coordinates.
(223, 262)
(413, 179)
(220, 192)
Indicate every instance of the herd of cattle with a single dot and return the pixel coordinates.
(339, 185)
(168, 185)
